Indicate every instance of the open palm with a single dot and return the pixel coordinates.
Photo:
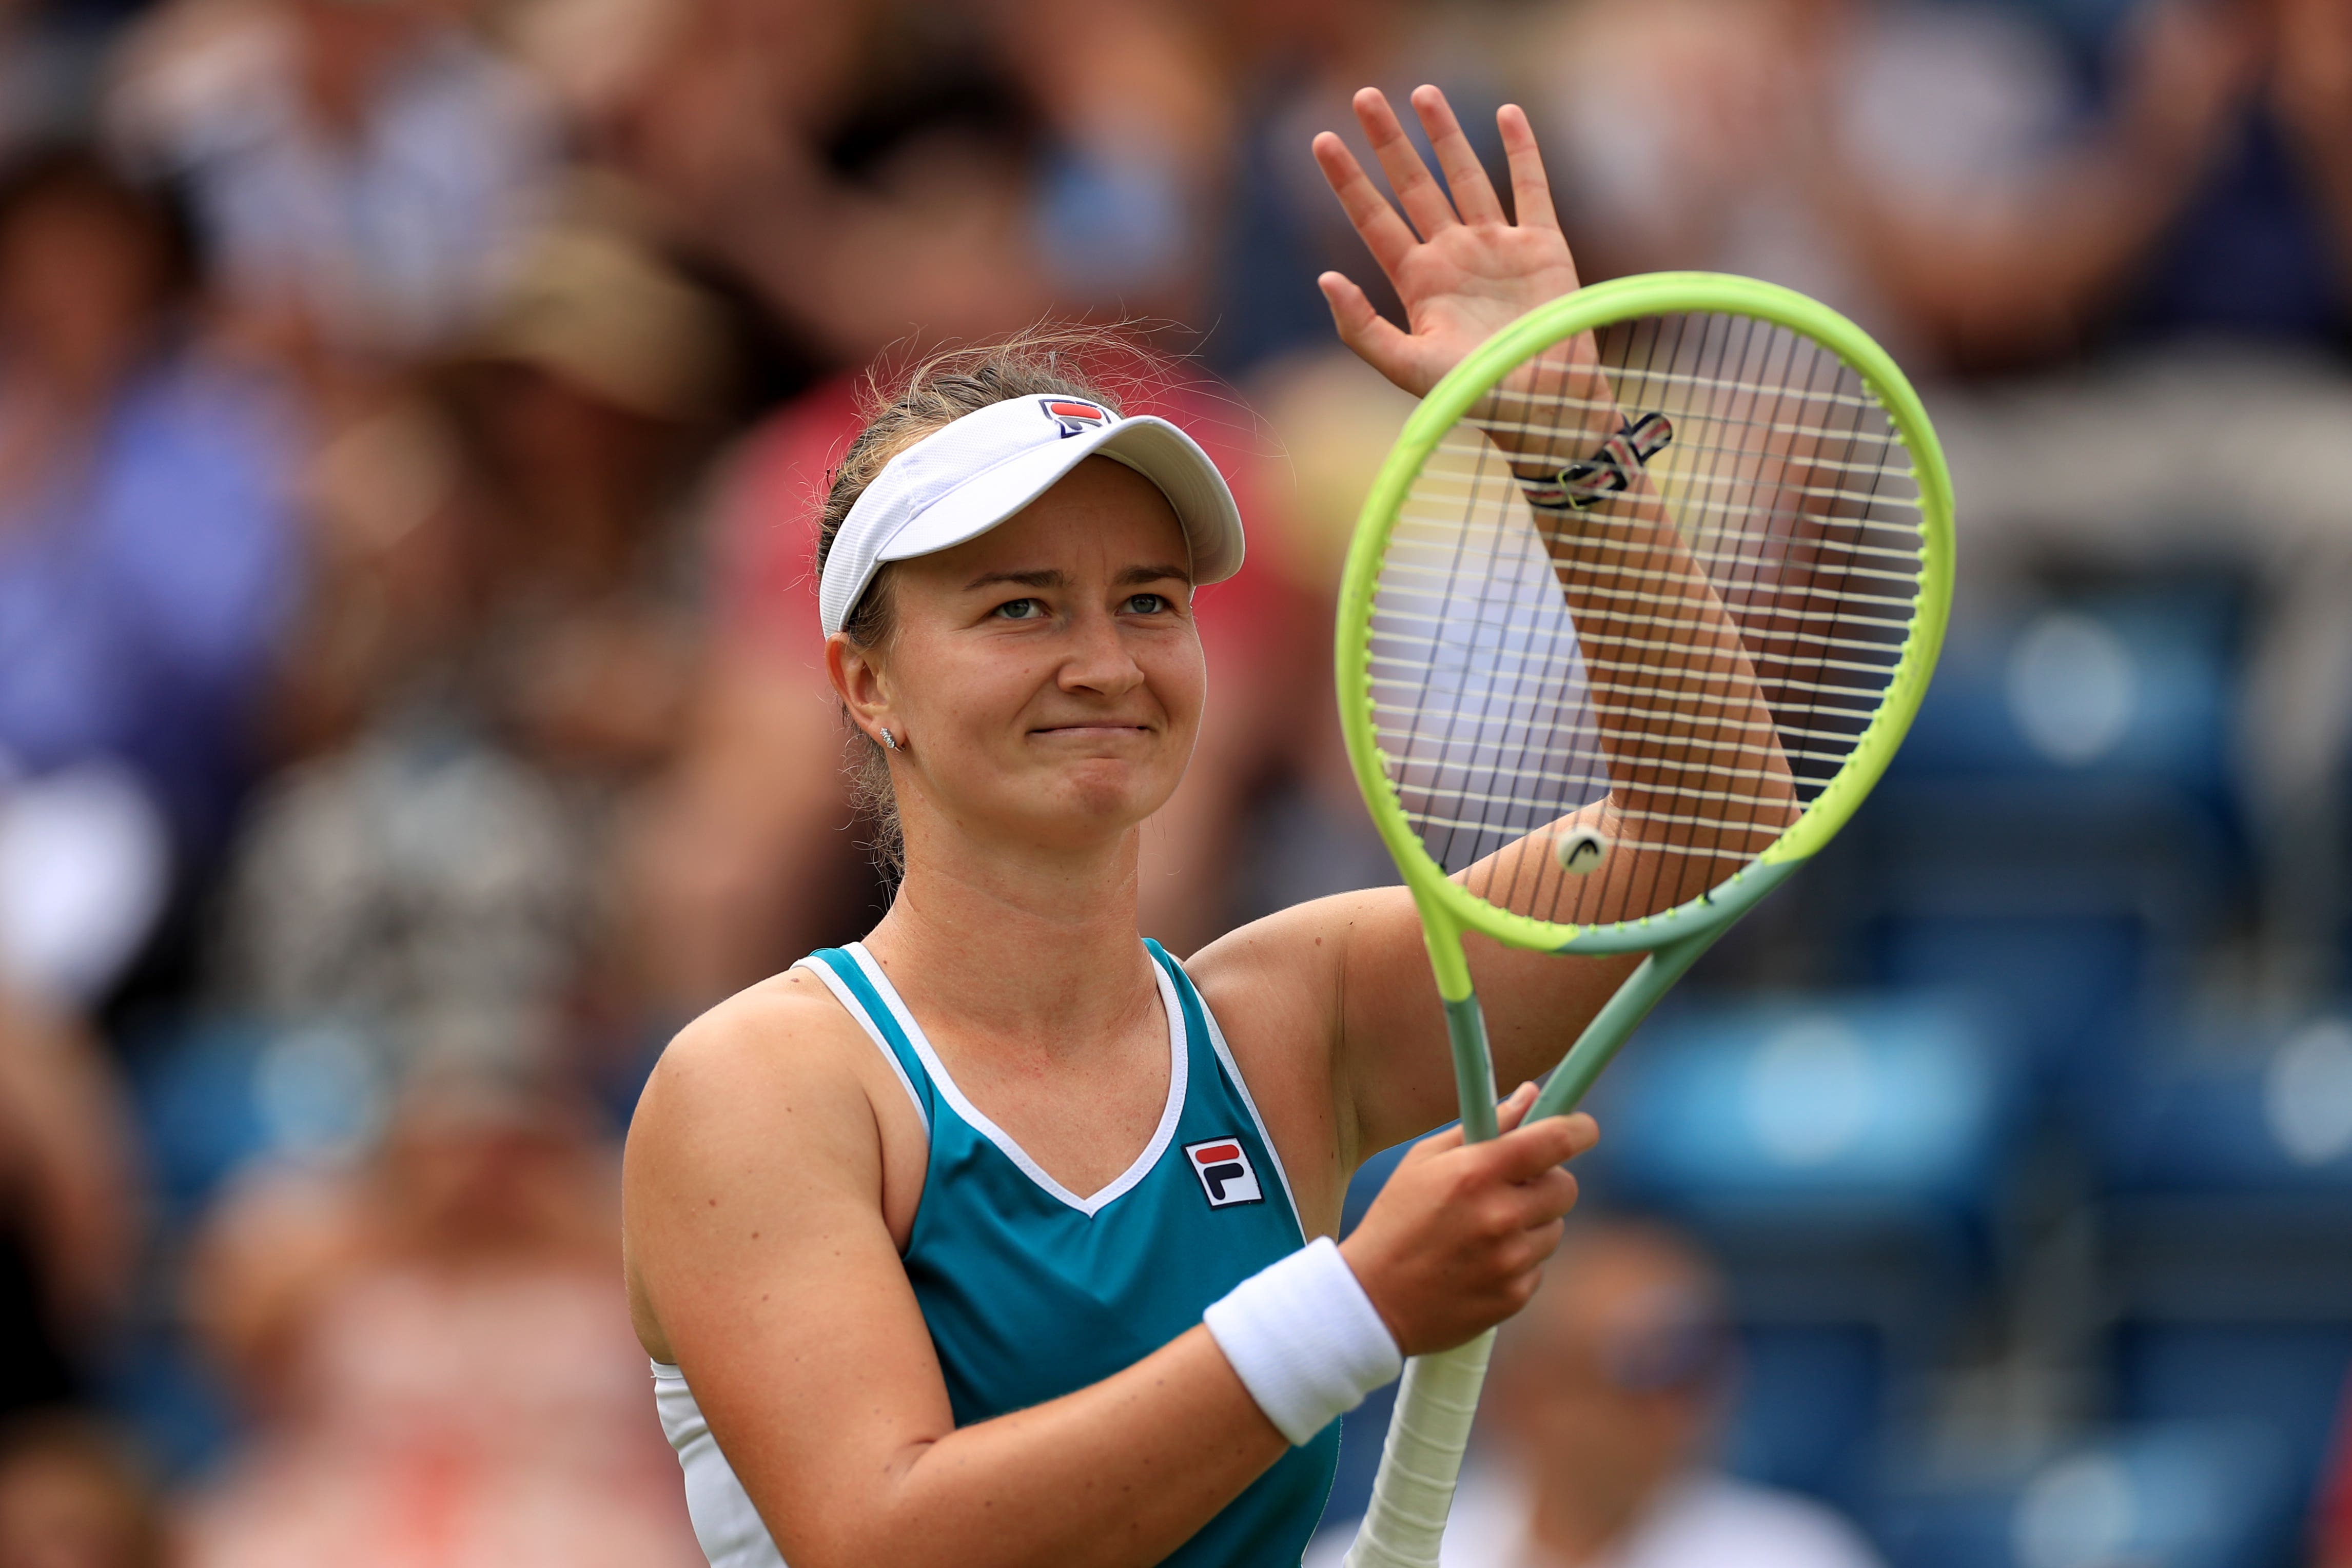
(1461, 267)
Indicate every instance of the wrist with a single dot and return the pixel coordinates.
(1363, 1261)
(1305, 1338)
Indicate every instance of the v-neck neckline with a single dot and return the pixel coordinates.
(979, 1121)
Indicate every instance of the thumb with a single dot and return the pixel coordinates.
(1375, 340)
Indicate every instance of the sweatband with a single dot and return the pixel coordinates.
(1305, 1338)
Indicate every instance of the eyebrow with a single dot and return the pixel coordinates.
(1049, 577)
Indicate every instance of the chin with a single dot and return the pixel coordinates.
(1107, 798)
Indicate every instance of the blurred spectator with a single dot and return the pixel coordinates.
(72, 1497)
(1291, 67)
(2258, 243)
(867, 166)
(1921, 167)
(500, 646)
(1606, 1393)
(1784, 138)
(886, 168)
(69, 1206)
(49, 55)
(370, 172)
(146, 570)
(439, 1366)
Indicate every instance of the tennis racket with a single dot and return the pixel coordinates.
(1638, 609)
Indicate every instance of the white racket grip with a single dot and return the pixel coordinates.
(1421, 1459)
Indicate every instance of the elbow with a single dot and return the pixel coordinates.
(859, 1530)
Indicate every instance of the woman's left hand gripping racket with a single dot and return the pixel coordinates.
(1638, 609)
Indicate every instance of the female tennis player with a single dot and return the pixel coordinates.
(1001, 1237)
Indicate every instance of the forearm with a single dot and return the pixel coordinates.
(1679, 721)
(1630, 581)
(1116, 1475)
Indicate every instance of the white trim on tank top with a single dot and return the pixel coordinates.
(1241, 1086)
(849, 1003)
(946, 1085)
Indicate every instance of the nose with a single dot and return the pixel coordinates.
(1098, 660)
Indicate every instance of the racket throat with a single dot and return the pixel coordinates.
(1473, 1067)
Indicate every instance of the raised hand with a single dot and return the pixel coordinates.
(1456, 1241)
(1462, 269)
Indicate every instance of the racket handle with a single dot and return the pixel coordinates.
(1422, 1459)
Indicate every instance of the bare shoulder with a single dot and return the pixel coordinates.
(1297, 965)
(776, 1051)
(758, 1119)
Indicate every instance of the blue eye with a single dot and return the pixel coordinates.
(1148, 604)
(1021, 609)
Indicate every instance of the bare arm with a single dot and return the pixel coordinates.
(760, 1255)
(1464, 271)
(63, 1143)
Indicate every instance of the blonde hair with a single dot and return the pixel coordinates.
(900, 407)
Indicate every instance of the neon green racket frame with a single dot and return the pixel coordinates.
(1674, 938)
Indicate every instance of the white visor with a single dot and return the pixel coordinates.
(958, 482)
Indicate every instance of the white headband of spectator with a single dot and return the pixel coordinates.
(958, 482)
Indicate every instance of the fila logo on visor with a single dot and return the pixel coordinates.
(1075, 417)
(1224, 1167)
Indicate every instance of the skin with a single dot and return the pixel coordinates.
(1045, 684)
(79, 286)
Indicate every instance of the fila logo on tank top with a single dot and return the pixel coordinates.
(1224, 1167)
(1032, 1291)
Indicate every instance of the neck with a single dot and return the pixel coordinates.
(1021, 945)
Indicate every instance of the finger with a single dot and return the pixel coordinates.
(1527, 1250)
(1376, 339)
(1473, 193)
(1385, 234)
(1436, 1143)
(1522, 1154)
(1416, 188)
(1545, 1199)
(1530, 191)
(1510, 1112)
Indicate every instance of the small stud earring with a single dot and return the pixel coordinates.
(888, 740)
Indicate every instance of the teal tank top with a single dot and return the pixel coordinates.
(1031, 1291)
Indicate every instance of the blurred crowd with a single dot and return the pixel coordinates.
(412, 414)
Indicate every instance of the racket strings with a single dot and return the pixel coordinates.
(1702, 651)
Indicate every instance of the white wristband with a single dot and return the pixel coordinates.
(1305, 1338)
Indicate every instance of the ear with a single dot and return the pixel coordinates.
(859, 680)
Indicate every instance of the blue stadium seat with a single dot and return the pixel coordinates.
(2255, 1113)
(2285, 1380)
(1830, 1111)
(222, 1092)
(2226, 1163)
(2179, 1495)
(2128, 686)
(1813, 1398)
(2062, 822)
(2074, 985)
(1836, 1152)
